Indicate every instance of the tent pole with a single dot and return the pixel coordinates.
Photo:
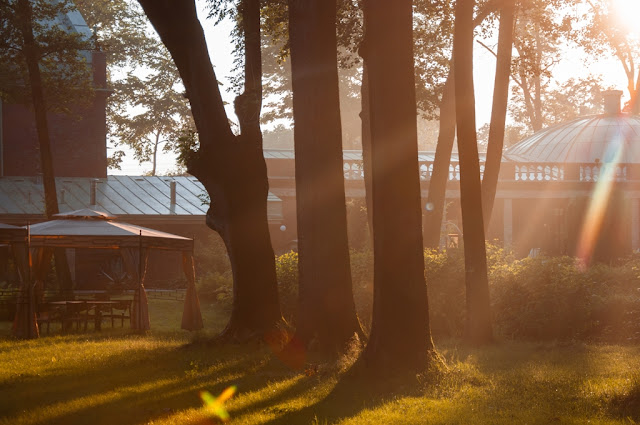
(30, 310)
(140, 281)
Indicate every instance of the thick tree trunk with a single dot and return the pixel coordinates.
(478, 325)
(635, 101)
(400, 339)
(440, 175)
(32, 58)
(327, 310)
(231, 168)
(498, 111)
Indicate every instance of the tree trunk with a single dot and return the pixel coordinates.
(498, 111)
(440, 175)
(537, 79)
(400, 339)
(366, 145)
(231, 168)
(635, 102)
(32, 58)
(154, 158)
(478, 324)
(327, 310)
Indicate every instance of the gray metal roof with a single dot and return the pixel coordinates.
(117, 195)
(583, 140)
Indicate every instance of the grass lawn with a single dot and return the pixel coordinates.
(116, 377)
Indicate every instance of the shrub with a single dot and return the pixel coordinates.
(444, 274)
(362, 283)
(214, 286)
(287, 273)
(538, 298)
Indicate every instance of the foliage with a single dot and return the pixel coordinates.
(542, 28)
(542, 298)
(287, 272)
(213, 270)
(147, 110)
(605, 34)
(62, 54)
(162, 116)
(570, 99)
(362, 281)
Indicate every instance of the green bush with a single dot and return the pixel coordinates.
(287, 273)
(215, 286)
(542, 298)
(362, 282)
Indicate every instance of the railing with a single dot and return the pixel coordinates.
(532, 172)
(539, 172)
(353, 170)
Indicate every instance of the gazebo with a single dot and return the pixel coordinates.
(91, 229)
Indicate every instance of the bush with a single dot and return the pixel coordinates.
(362, 283)
(287, 273)
(542, 298)
(215, 286)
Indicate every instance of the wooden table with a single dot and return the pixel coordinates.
(72, 311)
(79, 311)
(108, 306)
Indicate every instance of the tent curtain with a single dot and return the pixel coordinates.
(41, 258)
(191, 316)
(140, 310)
(25, 324)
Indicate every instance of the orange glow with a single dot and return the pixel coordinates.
(627, 13)
(592, 224)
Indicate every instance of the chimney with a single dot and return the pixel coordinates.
(172, 186)
(93, 192)
(172, 197)
(612, 102)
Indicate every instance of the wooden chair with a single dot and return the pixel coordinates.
(121, 310)
(47, 314)
(78, 314)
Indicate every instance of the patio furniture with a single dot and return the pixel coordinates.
(92, 229)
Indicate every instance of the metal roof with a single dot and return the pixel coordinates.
(117, 195)
(583, 140)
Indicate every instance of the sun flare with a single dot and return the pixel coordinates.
(627, 13)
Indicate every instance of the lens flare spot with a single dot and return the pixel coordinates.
(592, 224)
(215, 405)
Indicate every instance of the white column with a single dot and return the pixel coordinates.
(635, 224)
(508, 223)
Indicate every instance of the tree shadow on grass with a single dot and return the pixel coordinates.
(627, 404)
(131, 386)
(354, 392)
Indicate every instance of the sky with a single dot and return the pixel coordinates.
(573, 64)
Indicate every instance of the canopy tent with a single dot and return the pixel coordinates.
(92, 229)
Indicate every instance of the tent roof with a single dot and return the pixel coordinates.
(9, 233)
(87, 214)
(92, 229)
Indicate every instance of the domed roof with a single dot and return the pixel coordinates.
(601, 138)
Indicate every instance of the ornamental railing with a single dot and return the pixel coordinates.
(531, 172)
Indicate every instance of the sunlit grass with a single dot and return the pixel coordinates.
(118, 377)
